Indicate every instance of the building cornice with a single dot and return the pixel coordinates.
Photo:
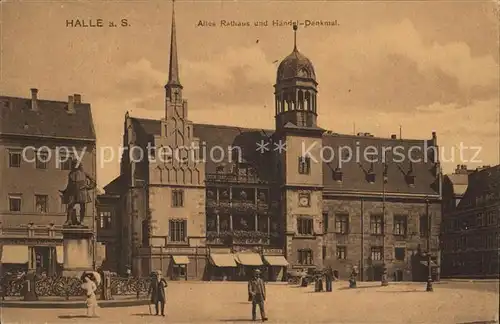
(468, 211)
(31, 137)
(387, 195)
(158, 185)
(301, 187)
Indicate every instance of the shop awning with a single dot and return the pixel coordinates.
(249, 259)
(276, 260)
(222, 260)
(180, 259)
(433, 264)
(15, 254)
(60, 254)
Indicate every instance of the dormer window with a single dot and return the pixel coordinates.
(337, 175)
(410, 179)
(370, 177)
(370, 174)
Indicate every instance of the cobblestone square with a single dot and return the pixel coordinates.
(213, 302)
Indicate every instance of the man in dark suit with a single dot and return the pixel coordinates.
(158, 293)
(257, 289)
(329, 278)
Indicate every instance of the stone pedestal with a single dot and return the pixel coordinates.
(78, 251)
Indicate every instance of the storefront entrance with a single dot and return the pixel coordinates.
(222, 266)
(44, 260)
(179, 267)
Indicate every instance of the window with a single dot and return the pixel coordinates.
(399, 253)
(480, 220)
(105, 219)
(15, 203)
(324, 252)
(305, 257)
(177, 230)
(41, 202)
(14, 159)
(41, 159)
(325, 223)
(178, 198)
(424, 228)
(305, 226)
(65, 162)
(341, 253)
(304, 165)
(146, 232)
(377, 224)
(491, 218)
(376, 253)
(341, 224)
(337, 175)
(400, 225)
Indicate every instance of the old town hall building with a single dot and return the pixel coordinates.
(278, 208)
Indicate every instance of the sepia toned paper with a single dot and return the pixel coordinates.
(229, 161)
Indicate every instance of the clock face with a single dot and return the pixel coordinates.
(303, 201)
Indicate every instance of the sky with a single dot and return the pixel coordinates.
(420, 65)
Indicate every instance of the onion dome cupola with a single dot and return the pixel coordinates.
(296, 90)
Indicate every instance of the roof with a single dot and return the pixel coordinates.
(459, 182)
(50, 119)
(483, 184)
(114, 187)
(354, 174)
(295, 65)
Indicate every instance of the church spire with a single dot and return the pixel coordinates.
(173, 71)
(295, 37)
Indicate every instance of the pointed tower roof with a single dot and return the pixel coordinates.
(173, 71)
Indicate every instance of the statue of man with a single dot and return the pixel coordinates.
(76, 192)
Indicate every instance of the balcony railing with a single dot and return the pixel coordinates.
(225, 206)
(232, 178)
(238, 237)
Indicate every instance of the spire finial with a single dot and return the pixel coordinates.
(173, 72)
(295, 36)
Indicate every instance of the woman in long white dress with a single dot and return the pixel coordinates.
(89, 287)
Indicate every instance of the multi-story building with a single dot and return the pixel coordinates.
(108, 226)
(275, 198)
(471, 231)
(38, 139)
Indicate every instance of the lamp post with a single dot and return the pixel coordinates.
(429, 231)
(383, 280)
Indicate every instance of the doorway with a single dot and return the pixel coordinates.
(44, 260)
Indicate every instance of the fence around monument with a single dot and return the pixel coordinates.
(71, 287)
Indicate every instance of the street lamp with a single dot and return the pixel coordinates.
(429, 231)
(383, 280)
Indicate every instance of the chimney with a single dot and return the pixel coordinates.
(393, 136)
(71, 105)
(34, 99)
(77, 98)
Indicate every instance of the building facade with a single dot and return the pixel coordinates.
(277, 199)
(38, 139)
(471, 231)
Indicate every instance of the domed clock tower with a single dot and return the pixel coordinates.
(299, 165)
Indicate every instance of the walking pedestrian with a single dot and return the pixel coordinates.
(90, 287)
(329, 278)
(157, 289)
(257, 289)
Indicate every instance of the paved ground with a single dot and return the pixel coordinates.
(226, 302)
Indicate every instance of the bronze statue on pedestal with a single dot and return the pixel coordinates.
(77, 192)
